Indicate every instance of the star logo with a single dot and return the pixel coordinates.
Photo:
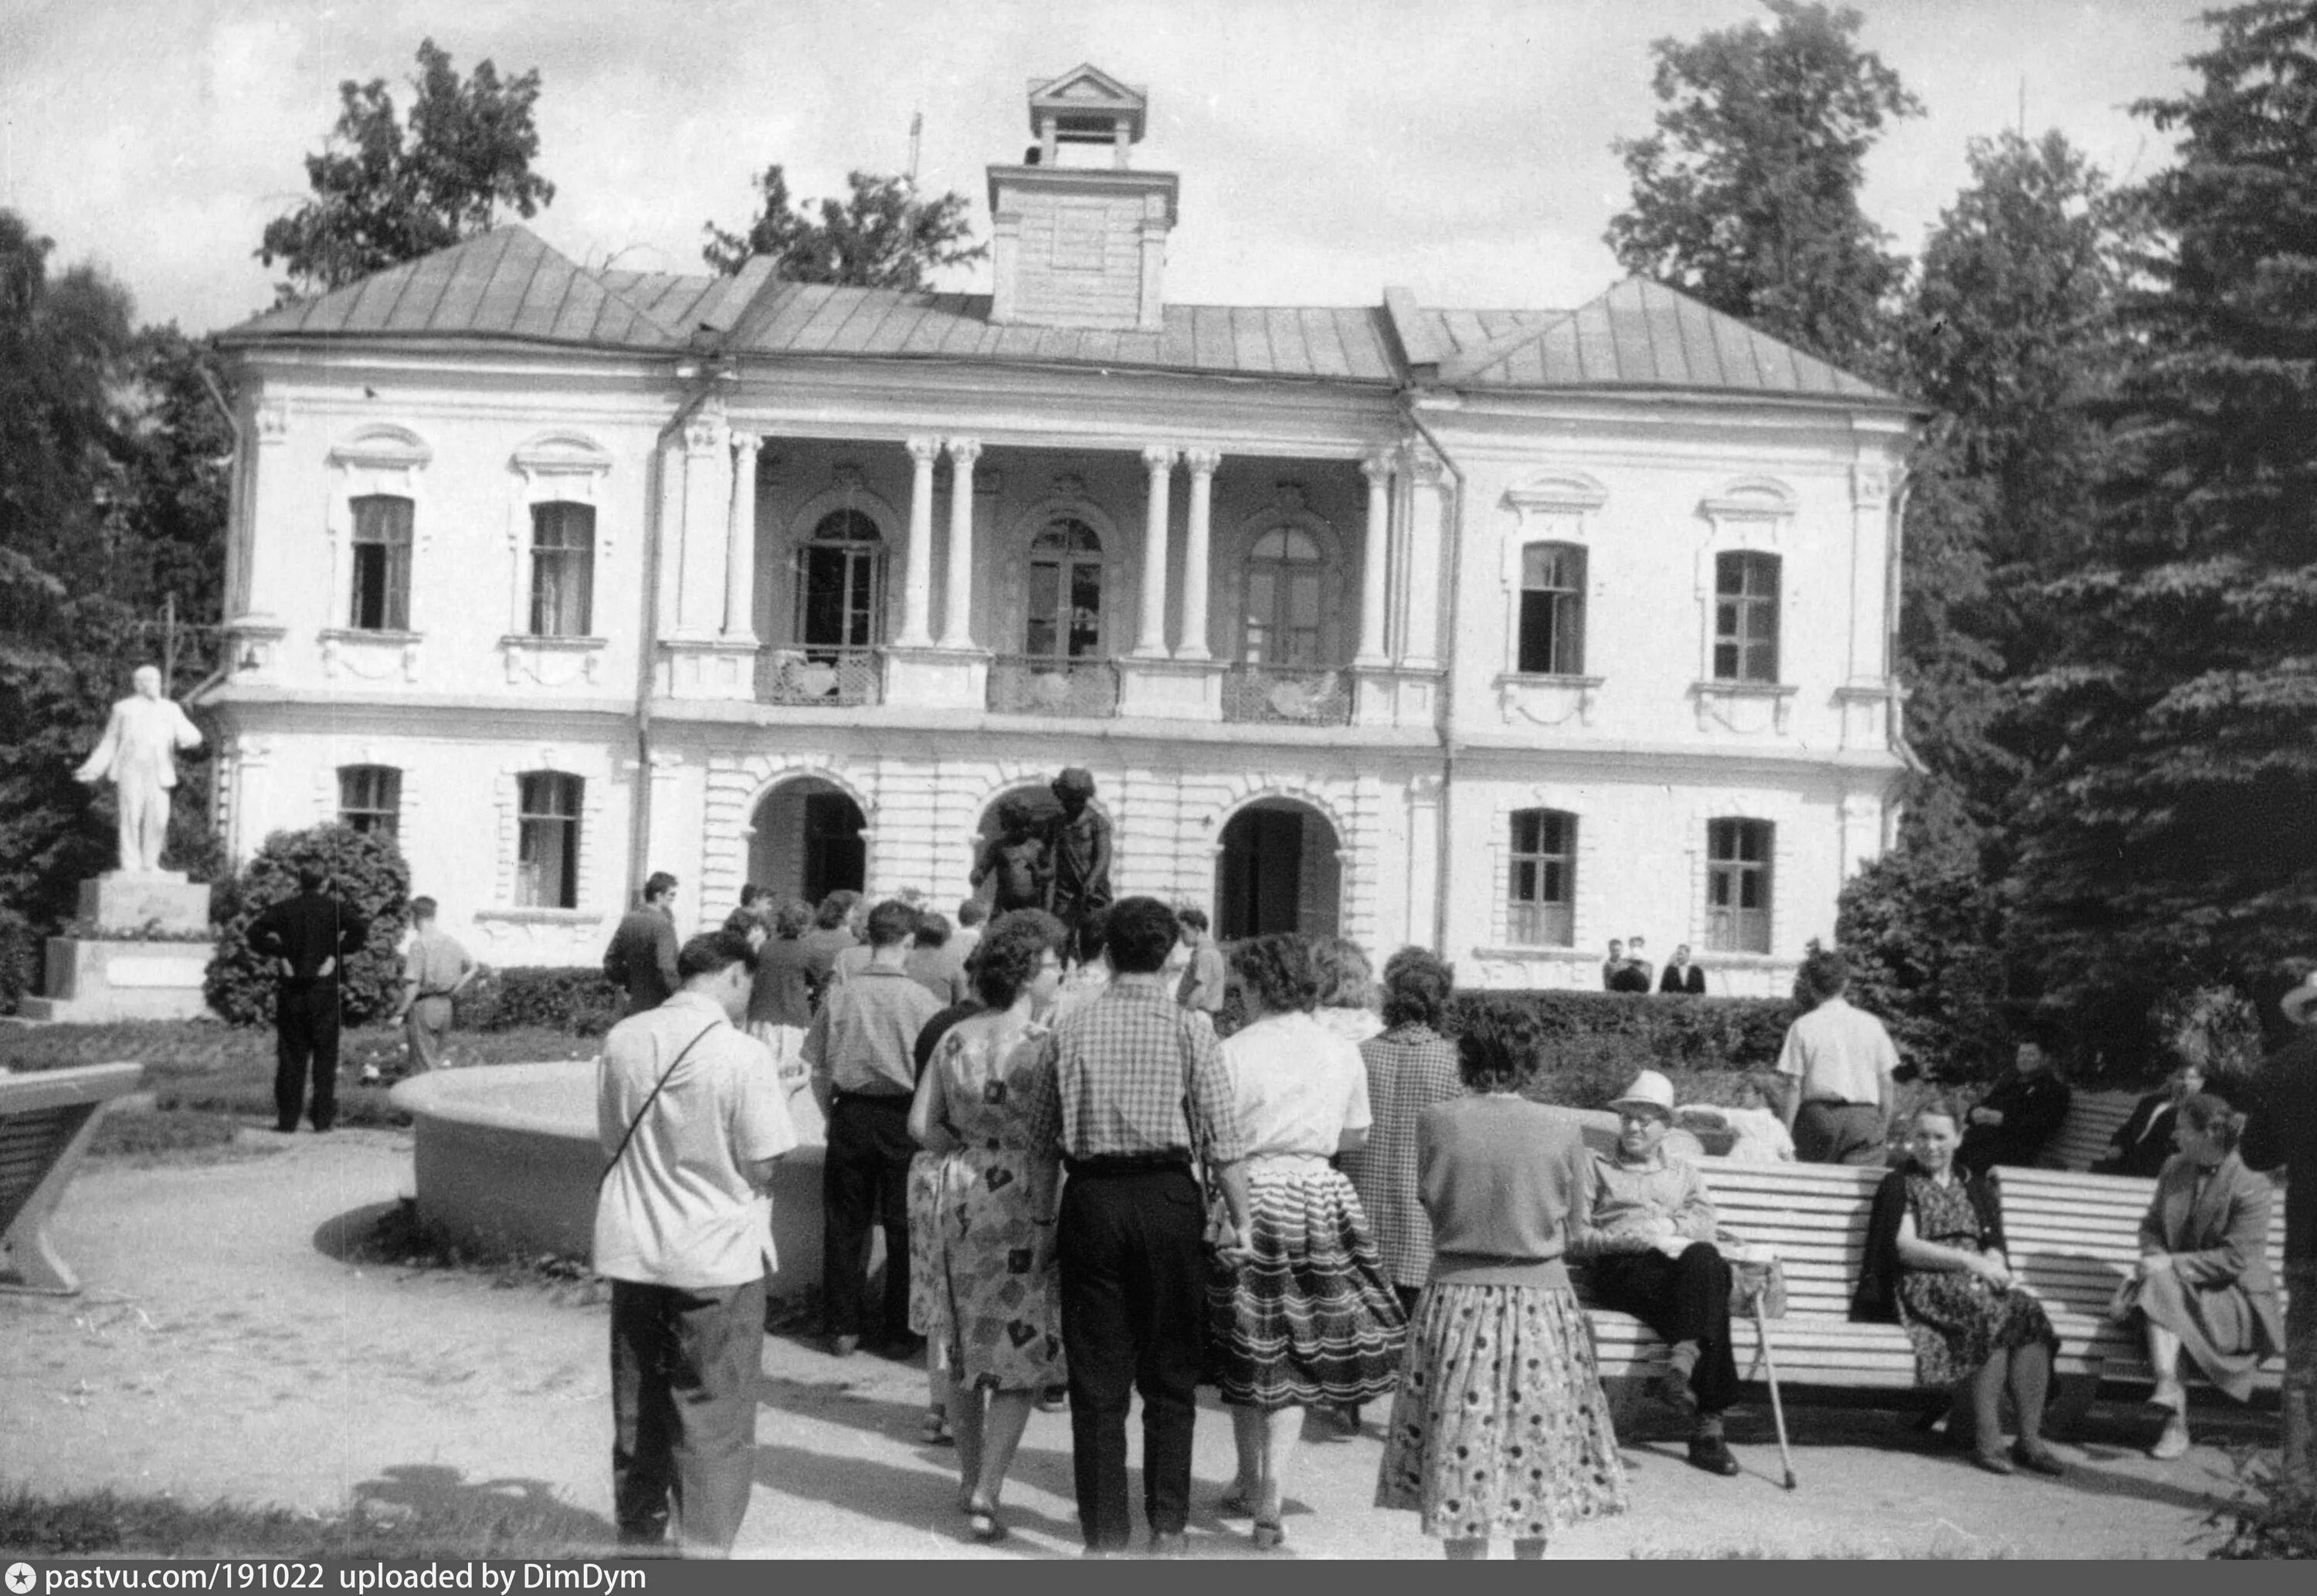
(21, 1578)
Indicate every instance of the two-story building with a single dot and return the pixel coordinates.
(1502, 632)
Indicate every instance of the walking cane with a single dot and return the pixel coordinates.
(1777, 1408)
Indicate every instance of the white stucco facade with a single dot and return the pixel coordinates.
(1299, 545)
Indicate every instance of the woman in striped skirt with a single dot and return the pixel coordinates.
(1308, 1319)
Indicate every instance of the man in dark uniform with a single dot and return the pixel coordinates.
(1078, 855)
(310, 935)
(641, 959)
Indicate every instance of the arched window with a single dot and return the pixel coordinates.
(841, 583)
(1553, 610)
(1540, 897)
(1285, 573)
(1738, 886)
(562, 569)
(1065, 609)
(381, 578)
(547, 840)
(1745, 617)
(369, 797)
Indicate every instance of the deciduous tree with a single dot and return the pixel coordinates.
(883, 235)
(1747, 195)
(389, 190)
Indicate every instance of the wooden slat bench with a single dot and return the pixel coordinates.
(46, 1121)
(2074, 1238)
(2093, 1120)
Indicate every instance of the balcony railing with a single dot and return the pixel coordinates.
(830, 676)
(1287, 696)
(1071, 688)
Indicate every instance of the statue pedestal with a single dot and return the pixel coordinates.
(146, 959)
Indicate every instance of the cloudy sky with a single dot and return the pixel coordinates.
(1460, 147)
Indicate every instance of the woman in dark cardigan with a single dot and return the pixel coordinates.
(1935, 1263)
(2203, 1284)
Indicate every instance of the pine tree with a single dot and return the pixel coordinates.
(2169, 828)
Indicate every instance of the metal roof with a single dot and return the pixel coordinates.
(1644, 334)
(507, 284)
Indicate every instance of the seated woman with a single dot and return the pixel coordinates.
(2019, 1117)
(1499, 1426)
(2142, 1143)
(2203, 1284)
(1934, 1262)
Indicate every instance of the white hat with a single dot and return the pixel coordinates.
(2294, 1004)
(1649, 1089)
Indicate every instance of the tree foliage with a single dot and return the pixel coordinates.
(2010, 332)
(114, 465)
(1747, 195)
(1923, 935)
(883, 235)
(2169, 838)
(366, 869)
(389, 190)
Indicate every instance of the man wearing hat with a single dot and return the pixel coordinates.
(1648, 1235)
(2283, 1130)
(1078, 855)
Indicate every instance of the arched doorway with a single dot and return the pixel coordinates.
(1280, 870)
(808, 841)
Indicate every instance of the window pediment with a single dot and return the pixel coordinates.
(1557, 492)
(382, 449)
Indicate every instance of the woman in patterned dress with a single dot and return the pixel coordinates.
(994, 1239)
(1934, 1262)
(1499, 1427)
(1309, 1318)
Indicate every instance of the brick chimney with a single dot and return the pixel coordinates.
(1081, 246)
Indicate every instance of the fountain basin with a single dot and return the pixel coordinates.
(507, 1161)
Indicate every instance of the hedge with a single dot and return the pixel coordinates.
(365, 868)
(576, 1001)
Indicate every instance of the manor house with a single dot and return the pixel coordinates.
(1502, 631)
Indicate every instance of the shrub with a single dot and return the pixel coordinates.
(1663, 1033)
(1923, 936)
(366, 869)
(20, 961)
(576, 1001)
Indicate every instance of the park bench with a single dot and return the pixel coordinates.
(46, 1121)
(2073, 1239)
(2093, 1120)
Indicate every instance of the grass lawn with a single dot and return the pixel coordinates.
(405, 1519)
(208, 1080)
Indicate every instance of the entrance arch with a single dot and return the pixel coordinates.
(808, 841)
(1280, 869)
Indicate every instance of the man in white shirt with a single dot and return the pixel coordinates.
(1837, 1065)
(691, 1118)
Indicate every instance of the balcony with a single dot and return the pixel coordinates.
(1287, 696)
(1066, 689)
(825, 677)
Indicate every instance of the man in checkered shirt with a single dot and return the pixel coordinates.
(1131, 1088)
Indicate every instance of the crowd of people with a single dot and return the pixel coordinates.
(1088, 1192)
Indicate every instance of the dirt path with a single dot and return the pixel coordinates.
(221, 1349)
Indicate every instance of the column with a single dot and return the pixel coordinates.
(1421, 652)
(1192, 644)
(671, 536)
(918, 579)
(741, 542)
(1376, 560)
(957, 600)
(1159, 459)
(707, 511)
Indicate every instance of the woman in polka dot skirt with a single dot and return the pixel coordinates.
(1499, 1427)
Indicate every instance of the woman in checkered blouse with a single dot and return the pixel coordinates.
(1411, 1066)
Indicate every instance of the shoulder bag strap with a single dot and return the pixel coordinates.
(621, 1151)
